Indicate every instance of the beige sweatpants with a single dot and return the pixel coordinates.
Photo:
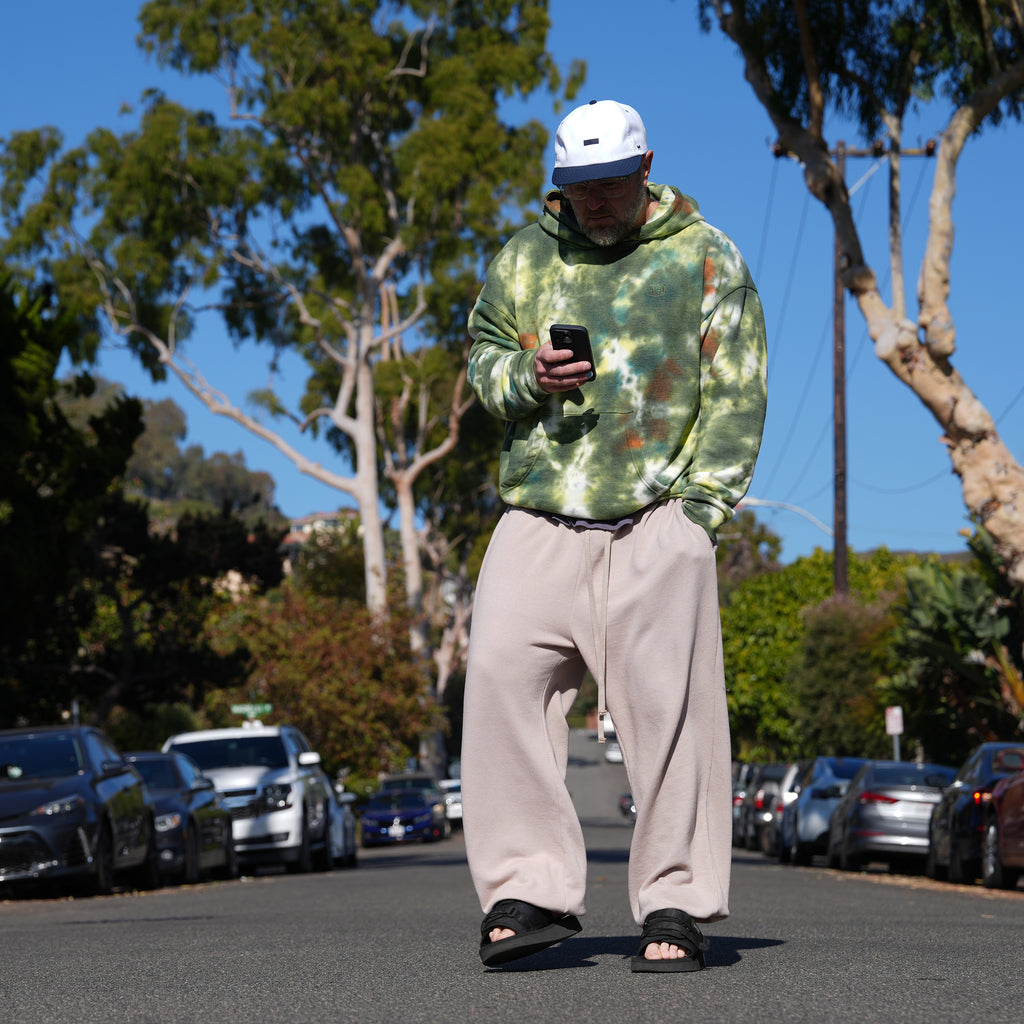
(545, 595)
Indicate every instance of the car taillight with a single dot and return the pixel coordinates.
(981, 796)
(759, 800)
(868, 797)
(737, 800)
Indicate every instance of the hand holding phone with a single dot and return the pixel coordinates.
(577, 339)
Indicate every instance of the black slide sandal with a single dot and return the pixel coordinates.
(679, 929)
(535, 929)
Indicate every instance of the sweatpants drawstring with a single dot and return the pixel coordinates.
(599, 624)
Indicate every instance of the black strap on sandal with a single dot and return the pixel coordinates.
(535, 929)
(517, 916)
(677, 928)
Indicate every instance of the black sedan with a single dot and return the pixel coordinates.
(957, 825)
(72, 808)
(401, 815)
(193, 826)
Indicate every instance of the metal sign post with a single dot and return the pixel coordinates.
(894, 728)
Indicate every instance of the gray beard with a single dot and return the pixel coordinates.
(626, 228)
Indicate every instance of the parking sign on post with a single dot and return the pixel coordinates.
(894, 728)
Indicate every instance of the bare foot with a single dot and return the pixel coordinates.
(496, 934)
(663, 951)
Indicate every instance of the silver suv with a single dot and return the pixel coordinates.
(274, 787)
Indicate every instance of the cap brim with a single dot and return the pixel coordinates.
(588, 172)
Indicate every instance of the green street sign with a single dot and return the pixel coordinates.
(251, 710)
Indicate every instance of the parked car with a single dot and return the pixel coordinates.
(883, 815)
(193, 825)
(409, 780)
(787, 792)
(804, 828)
(404, 815)
(275, 789)
(741, 776)
(1002, 850)
(758, 803)
(343, 826)
(958, 820)
(451, 789)
(627, 807)
(613, 752)
(72, 808)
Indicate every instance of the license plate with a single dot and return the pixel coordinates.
(396, 831)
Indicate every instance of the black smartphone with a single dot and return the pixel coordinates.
(577, 339)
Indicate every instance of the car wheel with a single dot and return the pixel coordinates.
(322, 859)
(190, 843)
(303, 863)
(932, 868)
(800, 854)
(229, 869)
(147, 875)
(957, 870)
(993, 874)
(848, 860)
(102, 883)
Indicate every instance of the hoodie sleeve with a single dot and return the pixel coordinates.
(501, 359)
(733, 398)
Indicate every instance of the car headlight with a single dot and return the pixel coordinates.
(277, 797)
(62, 805)
(168, 822)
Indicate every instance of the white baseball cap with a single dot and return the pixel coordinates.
(603, 139)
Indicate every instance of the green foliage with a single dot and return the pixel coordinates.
(342, 213)
(763, 627)
(148, 728)
(348, 679)
(54, 476)
(873, 56)
(952, 635)
(330, 563)
(844, 652)
(746, 548)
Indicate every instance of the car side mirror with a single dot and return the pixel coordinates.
(201, 782)
(309, 757)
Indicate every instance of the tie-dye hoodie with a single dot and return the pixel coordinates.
(678, 405)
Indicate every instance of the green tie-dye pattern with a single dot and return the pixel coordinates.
(678, 406)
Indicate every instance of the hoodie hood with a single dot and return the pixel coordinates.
(675, 212)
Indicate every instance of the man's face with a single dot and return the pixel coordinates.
(611, 209)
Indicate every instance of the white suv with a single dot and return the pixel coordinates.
(274, 787)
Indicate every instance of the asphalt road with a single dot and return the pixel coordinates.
(396, 940)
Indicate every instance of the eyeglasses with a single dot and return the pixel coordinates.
(606, 188)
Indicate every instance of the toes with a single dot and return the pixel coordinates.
(663, 951)
(496, 934)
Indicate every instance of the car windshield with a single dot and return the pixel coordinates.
(913, 775)
(236, 752)
(398, 798)
(845, 769)
(39, 757)
(157, 774)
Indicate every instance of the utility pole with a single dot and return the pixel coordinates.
(840, 581)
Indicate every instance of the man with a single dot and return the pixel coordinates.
(617, 477)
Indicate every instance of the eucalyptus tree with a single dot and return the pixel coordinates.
(876, 63)
(337, 211)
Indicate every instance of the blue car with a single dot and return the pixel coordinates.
(404, 815)
(804, 828)
(193, 824)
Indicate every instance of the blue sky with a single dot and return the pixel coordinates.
(63, 64)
